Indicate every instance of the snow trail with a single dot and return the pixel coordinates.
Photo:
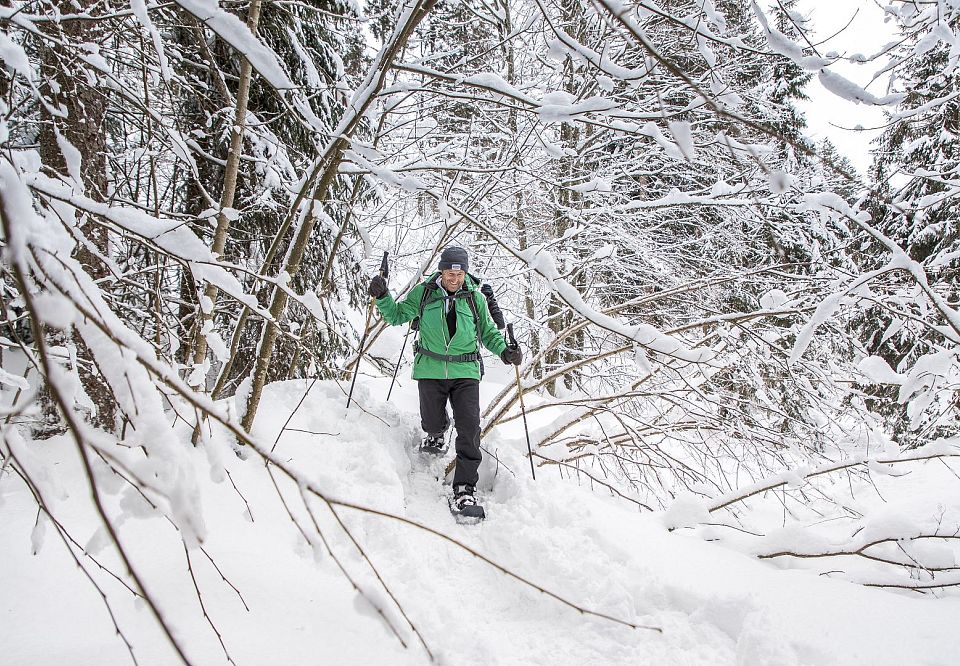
(715, 606)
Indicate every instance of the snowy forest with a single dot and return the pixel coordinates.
(741, 353)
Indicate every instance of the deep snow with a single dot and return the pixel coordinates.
(714, 605)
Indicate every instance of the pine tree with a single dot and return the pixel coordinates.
(320, 46)
(916, 165)
(70, 86)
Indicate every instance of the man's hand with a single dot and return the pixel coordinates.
(511, 355)
(378, 287)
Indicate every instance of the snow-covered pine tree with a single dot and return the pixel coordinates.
(916, 166)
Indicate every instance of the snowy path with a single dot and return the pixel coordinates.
(715, 606)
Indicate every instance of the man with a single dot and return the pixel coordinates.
(454, 322)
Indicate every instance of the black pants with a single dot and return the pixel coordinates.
(464, 397)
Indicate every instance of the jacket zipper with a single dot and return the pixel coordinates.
(446, 335)
(443, 326)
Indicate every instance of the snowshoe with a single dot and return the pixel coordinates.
(464, 507)
(435, 445)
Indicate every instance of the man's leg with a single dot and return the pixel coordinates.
(433, 406)
(465, 398)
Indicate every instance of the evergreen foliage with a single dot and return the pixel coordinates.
(916, 165)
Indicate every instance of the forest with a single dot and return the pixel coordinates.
(725, 324)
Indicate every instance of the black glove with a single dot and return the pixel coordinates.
(378, 287)
(511, 355)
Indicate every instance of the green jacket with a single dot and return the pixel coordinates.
(434, 336)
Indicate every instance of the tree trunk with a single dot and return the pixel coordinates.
(81, 124)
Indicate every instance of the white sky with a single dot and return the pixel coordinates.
(828, 115)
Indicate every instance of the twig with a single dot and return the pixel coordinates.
(382, 582)
(594, 479)
(333, 556)
(203, 606)
(224, 578)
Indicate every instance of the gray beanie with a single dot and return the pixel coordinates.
(454, 258)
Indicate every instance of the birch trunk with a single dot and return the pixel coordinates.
(229, 190)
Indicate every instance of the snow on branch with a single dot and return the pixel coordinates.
(236, 33)
(798, 477)
(543, 263)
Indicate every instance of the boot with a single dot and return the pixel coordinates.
(464, 504)
(434, 445)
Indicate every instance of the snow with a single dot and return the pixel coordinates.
(497, 83)
(686, 511)
(559, 107)
(846, 89)
(13, 55)
(877, 370)
(773, 299)
(824, 311)
(566, 46)
(72, 158)
(54, 310)
(543, 262)
(785, 46)
(13, 380)
(325, 538)
(170, 235)
(714, 605)
(139, 8)
(314, 78)
(669, 147)
(779, 181)
(684, 138)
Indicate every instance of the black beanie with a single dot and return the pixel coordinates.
(454, 258)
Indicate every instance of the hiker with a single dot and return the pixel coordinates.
(453, 322)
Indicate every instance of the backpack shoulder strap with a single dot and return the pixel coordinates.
(429, 286)
(472, 300)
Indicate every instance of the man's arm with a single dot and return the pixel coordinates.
(394, 312)
(491, 338)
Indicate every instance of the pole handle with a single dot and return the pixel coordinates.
(383, 265)
(513, 340)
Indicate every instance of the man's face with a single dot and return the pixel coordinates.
(452, 280)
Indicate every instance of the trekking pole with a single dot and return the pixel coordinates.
(523, 410)
(396, 368)
(366, 330)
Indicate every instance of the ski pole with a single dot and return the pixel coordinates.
(366, 330)
(523, 410)
(396, 368)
